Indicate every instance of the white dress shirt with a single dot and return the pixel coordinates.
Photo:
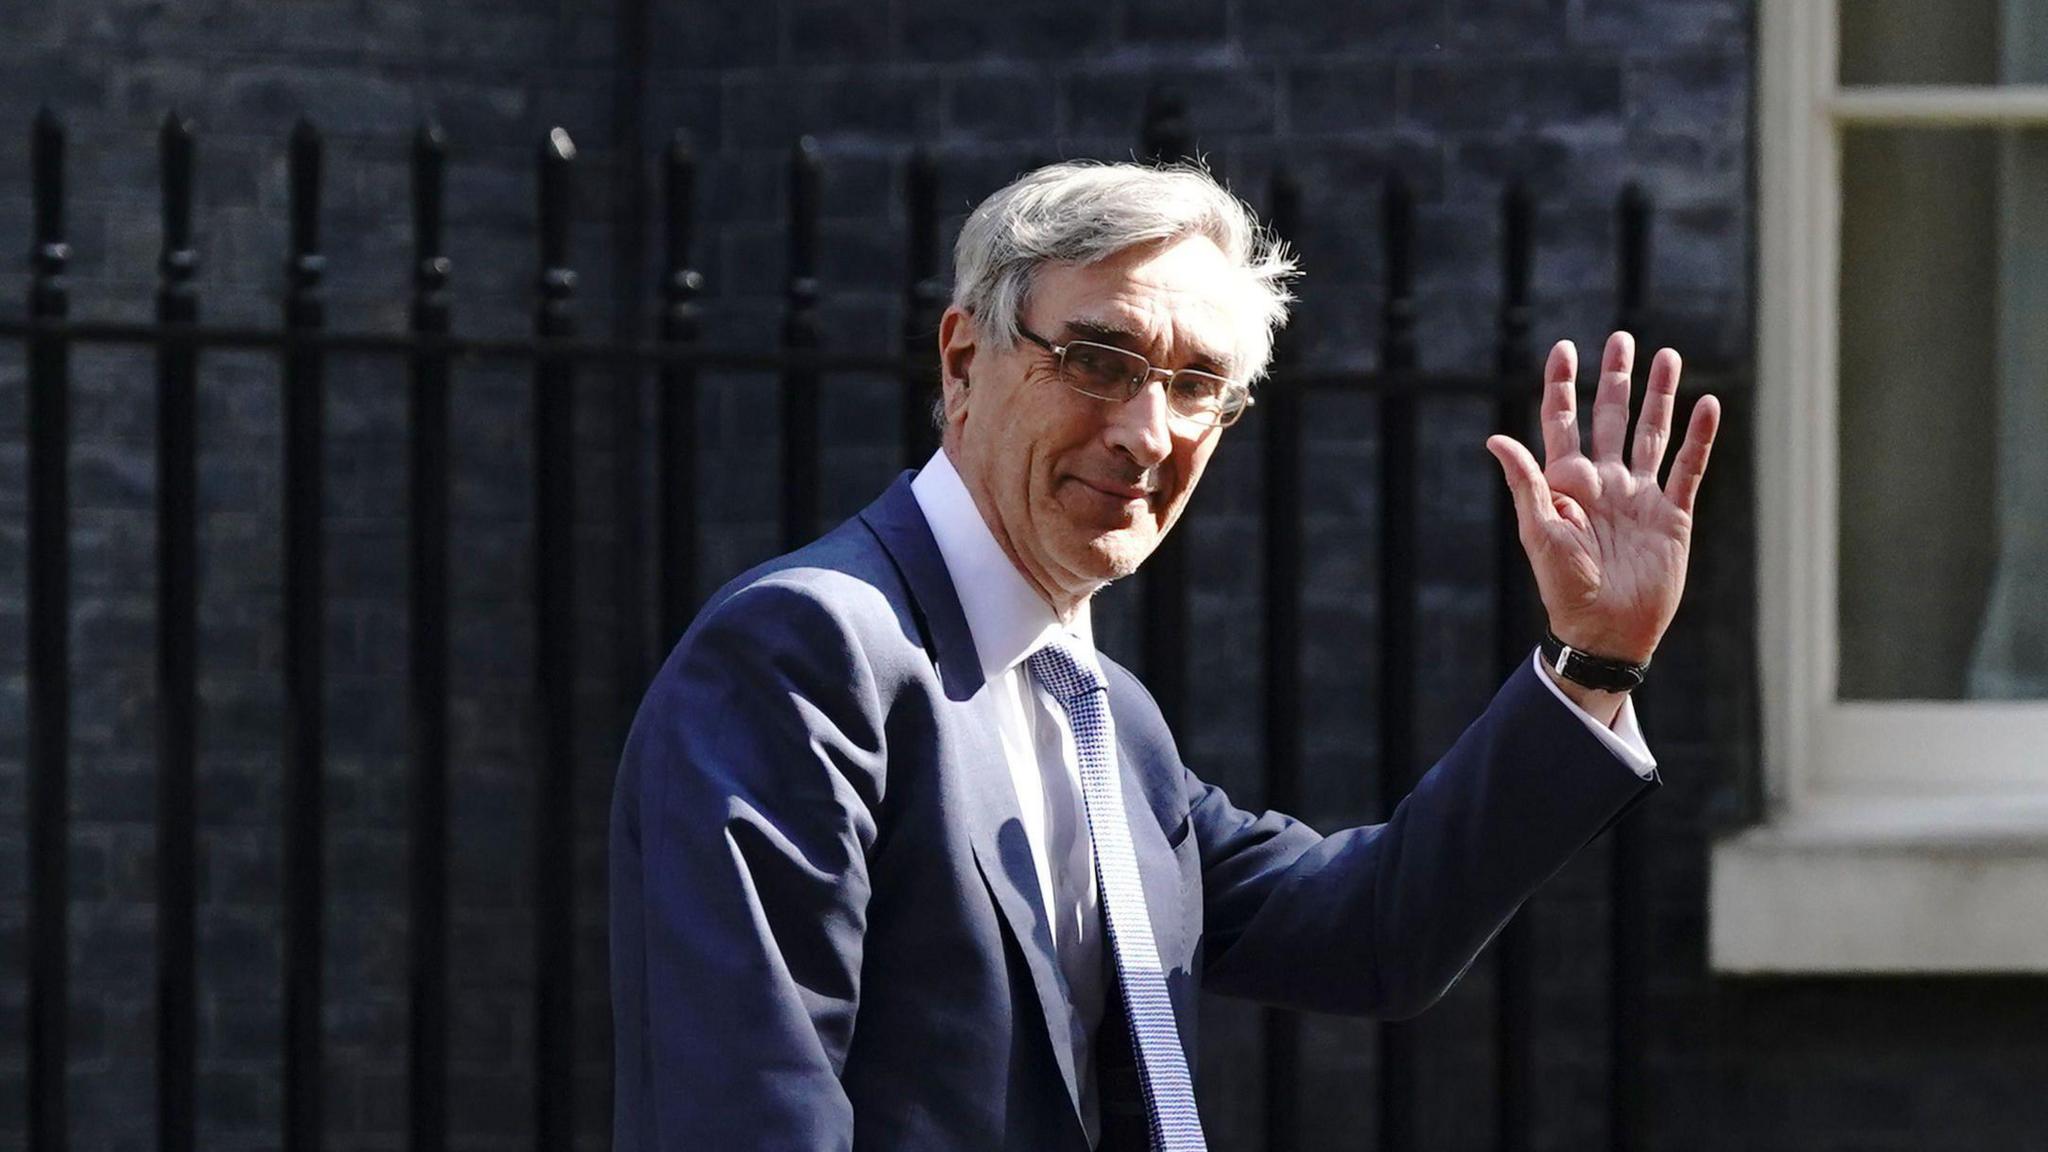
(1009, 621)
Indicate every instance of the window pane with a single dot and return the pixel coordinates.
(1943, 415)
(1943, 42)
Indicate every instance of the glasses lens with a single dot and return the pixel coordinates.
(1103, 371)
(1196, 393)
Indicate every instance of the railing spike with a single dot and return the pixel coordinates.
(560, 145)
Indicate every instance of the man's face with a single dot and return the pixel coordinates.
(1081, 490)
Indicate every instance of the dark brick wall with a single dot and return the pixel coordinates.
(1576, 96)
(366, 73)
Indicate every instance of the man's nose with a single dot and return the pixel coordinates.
(1139, 426)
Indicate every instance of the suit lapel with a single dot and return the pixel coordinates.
(1158, 874)
(996, 830)
(994, 821)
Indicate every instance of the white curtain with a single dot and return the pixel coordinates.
(2010, 657)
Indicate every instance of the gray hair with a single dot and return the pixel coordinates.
(1081, 211)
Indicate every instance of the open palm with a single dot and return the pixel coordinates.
(1608, 546)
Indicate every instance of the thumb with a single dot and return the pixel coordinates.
(1525, 480)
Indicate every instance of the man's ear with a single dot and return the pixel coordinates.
(957, 336)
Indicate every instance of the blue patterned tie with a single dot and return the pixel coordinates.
(1162, 1064)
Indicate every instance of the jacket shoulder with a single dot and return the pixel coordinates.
(840, 589)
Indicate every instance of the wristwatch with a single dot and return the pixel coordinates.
(1602, 672)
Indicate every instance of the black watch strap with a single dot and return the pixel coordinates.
(1602, 672)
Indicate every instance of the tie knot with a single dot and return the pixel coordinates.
(1064, 673)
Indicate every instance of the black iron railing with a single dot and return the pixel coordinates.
(558, 355)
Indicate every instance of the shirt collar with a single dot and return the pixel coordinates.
(1007, 617)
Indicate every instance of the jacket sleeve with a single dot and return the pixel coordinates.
(744, 810)
(1383, 919)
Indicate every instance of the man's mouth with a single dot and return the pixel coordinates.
(1120, 491)
(1118, 506)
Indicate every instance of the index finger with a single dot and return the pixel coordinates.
(1560, 415)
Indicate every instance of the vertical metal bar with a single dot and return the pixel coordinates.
(428, 370)
(1398, 604)
(1165, 138)
(1632, 265)
(1513, 638)
(1629, 906)
(177, 368)
(680, 327)
(305, 311)
(1282, 413)
(923, 303)
(800, 334)
(49, 655)
(554, 672)
(633, 33)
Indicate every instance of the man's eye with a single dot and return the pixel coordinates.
(1198, 387)
(1097, 366)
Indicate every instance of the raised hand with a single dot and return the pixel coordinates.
(1607, 545)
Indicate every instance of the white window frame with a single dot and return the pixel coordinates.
(1898, 836)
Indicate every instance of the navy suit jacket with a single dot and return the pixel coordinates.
(825, 924)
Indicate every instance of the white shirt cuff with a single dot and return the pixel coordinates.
(1625, 739)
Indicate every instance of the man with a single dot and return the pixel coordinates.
(899, 861)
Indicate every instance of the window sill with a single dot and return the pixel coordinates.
(1894, 885)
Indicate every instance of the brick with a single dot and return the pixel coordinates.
(1176, 24)
(751, 187)
(1220, 102)
(240, 715)
(237, 866)
(1688, 167)
(862, 325)
(339, 102)
(13, 386)
(1704, 94)
(1337, 1052)
(485, 34)
(841, 112)
(109, 395)
(1522, 25)
(369, 792)
(1671, 23)
(14, 483)
(1342, 98)
(1302, 28)
(388, 30)
(715, 36)
(374, 1106)
(13, 723)
(1050, 30)
(114, 796)
(64, 81)
(493, 1104)
(1001, 106)
(860, 186)
(1480, 167)
(834, 31)
(365, 949)
(110, 948)
(1510, 95)
(238, 1101)
(758, 257)
(111, 708)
